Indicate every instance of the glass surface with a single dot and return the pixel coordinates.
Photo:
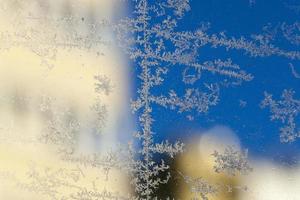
(149, 99)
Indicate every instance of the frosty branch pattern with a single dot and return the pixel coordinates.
(153, 40)
(285, 110)
(232, 162)
(200, 188)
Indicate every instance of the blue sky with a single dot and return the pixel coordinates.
(272, 74)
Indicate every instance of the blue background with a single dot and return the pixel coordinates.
(272, 74)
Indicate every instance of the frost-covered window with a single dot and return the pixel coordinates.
(149, 99)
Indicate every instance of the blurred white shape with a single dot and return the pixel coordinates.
(270, 181)
(217, 139)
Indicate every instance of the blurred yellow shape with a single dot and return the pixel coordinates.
(32, 68)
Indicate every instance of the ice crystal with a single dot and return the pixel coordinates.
(61, 130)
(103, 85)
(64, 183)
(60, 34)
(100, 111)
(291, 32)
(231, 162)
(294, 72)
(153, 40)
(200, 187)
(285, 110)
(146, 43)
(242, 103)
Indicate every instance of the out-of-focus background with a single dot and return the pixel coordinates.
(268, 180)
(51, 57)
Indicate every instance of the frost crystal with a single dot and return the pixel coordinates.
(151, 38)
(200, 188)
(285, 110)
(294, 72)
(103, 84)
(231, 162)
(291, 32)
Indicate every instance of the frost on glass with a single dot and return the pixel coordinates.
(286, 111)
(157, 46)
(231, 162)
